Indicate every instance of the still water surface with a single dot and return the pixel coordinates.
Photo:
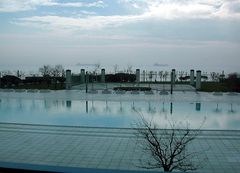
(216, 115)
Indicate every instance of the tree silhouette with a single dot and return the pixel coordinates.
(45, 70)
(167, 148)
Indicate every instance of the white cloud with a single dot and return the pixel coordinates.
(87, 23)
(172, 9)
(153, 9)
(25, 5)
(229, 9)
(87, 12)
(77, 4)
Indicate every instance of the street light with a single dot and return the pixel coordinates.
(87, 78)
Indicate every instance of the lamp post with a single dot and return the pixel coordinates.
(172, 82)
(0, 79)
(87, 78)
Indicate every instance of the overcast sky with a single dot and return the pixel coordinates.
(201, 34)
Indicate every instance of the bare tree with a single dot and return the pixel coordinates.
(155, 74)
(214, 76)
(115, 67)
(150, 75)
(45, 70)
(129, 68)
(97, 67)
(56, 71)
(160, 73)
(144, 75)
(48, 70)
(222, 76)
(165, 75)
(6, 72)
(167, 148)
(32, 73)
(181, 74)
(20, 74)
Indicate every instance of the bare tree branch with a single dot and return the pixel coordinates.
(168, 148)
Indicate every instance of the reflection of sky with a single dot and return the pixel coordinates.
(119, 114)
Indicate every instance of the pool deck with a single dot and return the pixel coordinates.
(104, 148)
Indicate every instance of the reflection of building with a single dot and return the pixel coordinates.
(198, 106)
(68, 103)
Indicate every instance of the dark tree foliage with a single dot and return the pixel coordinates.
(121, 77)
(181, 78)
(133, 88)
(94, 78)
(37, 80)
(168, 148)
(10, 80)
(233, 82)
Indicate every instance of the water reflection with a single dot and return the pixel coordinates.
(217, 110)
(133, 107)
(47, 104)
(107, 108)
(122, 113)
(232, 111)
(121, 110)
(93, 108)
(151, 109)
(20, 105)
(33, 105)
(69, 103)
(86, 106)
(198, 106)
(163, 108)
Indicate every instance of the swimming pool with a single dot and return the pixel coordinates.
(75, 108)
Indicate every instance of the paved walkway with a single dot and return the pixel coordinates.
(106, 148)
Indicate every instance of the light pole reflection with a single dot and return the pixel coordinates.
(69, 103)
(133, 106)
(231, 109)
(163, 107)
(86, 106)
(198, 106)
(93, 109)
(121, 108)
(107, 108)
(217, 109)
(20, 107)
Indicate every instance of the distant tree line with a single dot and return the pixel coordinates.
(54, 77)
(233, 82)
(51, 77)
(117, 77)
(120, 77)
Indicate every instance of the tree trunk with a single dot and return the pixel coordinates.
(166, 169)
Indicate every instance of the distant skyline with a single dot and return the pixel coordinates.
(199, 34)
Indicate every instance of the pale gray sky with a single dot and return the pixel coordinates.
(201, 34)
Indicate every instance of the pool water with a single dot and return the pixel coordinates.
(111, 113)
